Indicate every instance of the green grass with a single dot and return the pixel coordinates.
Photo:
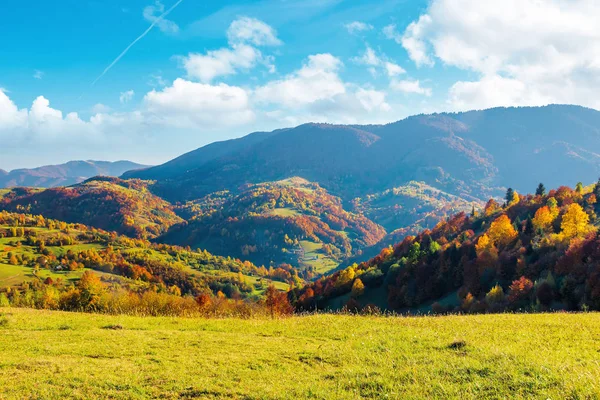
(322, 264)
(65, 355)
(284, 212)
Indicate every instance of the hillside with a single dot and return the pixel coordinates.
(464, 154)
(41, 259)
(539, 252)
(547, 356)
(64, 174)
(286, 222)
(126, 207)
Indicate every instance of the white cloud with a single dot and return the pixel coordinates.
(528, 52)
(410, 86)
(374, 61)
(10, 115)
(222, 62)
(126, 97)
(316, 92)
(317, 79)
(38, 74)
(358, 27)
(243, 34)
(192, 104)
(394, 69)
(254, 31)
(152, 14)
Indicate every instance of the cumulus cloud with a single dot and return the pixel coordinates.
(244, 36)
(357, 27)
(316, 92)
(192, 104)
(126, 97)
(38, 74)
(410, 86)
(526, 52)
(152, 14)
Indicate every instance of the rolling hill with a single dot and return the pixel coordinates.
(285, 222)
(46, 257)
(539, 252)
(126, 207)
(64, 174)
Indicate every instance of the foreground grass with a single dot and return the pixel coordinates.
(56, 355)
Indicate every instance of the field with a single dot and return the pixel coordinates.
(64, 355)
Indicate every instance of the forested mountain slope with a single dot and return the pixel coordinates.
(466, 154)
(286, 222)
(535, 252)
(126, 207)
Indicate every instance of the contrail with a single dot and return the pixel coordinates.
(136, 40)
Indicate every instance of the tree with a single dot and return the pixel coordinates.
(495, 295)
(510, 195)
(520, 290)
(358, 288)
(552, 203)
(574, 222)
(491, 207)
(597, 188)
(541, 190)
(277, 302)
(501, 231)
(346, 276)
(579, 187)
(543, 219)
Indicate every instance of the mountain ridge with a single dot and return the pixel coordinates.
(69, 173)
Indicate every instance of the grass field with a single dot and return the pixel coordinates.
(313, 257)
(64, 355)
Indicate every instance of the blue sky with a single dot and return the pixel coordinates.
(213, 70)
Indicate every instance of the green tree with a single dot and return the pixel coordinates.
(541, 190)
(510, 195)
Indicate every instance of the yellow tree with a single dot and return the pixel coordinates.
(358, 288)
(543, 219)
(491, 207)
(575, 221)
(501, 231)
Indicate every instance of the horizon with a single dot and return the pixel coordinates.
(287, 127)
(168, 76)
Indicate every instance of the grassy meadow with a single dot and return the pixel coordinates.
(47, 354)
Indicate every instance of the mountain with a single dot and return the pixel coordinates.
(539, 252)
(64, 174)
(471, 154)
(285, 222)
(112, 204)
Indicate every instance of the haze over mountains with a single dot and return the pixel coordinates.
(66, 174)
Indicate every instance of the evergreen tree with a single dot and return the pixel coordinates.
(541, 190)
(529, 228)
(510, 195)
(597, 188)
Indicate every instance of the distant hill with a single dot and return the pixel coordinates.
(539, 252)
(43, 253)
(472, 154)
(64, 174)
(112, 204)
(292, 221)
